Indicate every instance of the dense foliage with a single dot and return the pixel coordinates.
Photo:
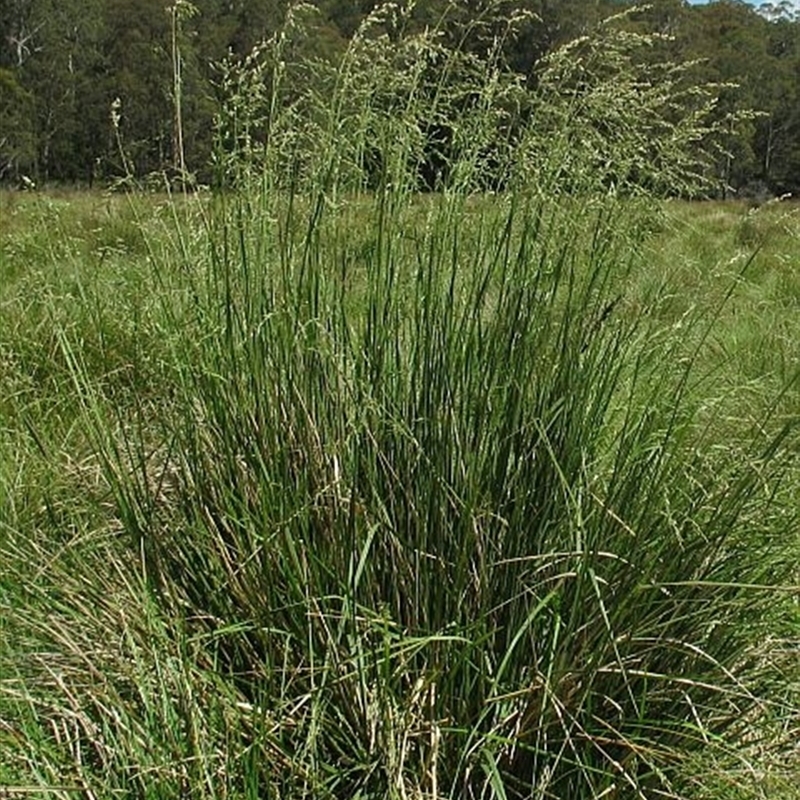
(65, 64)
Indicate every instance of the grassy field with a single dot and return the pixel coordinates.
(483, 497)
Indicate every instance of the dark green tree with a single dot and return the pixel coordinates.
(17, 138)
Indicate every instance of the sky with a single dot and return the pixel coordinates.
(755, 3)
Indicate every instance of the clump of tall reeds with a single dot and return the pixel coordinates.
(427, 511)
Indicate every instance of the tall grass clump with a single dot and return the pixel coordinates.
(429, 510)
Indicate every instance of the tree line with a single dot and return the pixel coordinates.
(92, 90)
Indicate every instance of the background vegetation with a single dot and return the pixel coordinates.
(63, 64)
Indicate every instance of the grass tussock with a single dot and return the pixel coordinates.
(328, 493)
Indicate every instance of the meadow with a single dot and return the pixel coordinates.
(317, 486)
(398, 496)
